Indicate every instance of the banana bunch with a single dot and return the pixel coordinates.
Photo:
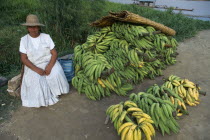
(99, 42)
(168, 94)
(161, 111)
(186, 89)
(114, 83)
(80, 81)
(116, 57)
(128, 31)
(93, 91)
(130, 121)
(167, 54)
(94, 65)
(78, 51)
(133, 58)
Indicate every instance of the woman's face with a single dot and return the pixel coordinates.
(33, 30)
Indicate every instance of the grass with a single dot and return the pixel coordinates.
(67, 23)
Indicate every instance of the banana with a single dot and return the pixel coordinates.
(116, 110)
(188, 85)
(141, 114)
(183, 105)
(146, 131)
(176, 83)
(183, 90)
(179, 114)
(139, 134)
(180, 92)
(129, 135)
(123, 126)
(172, 99)
(190, 91)
(122, 117)
(130, 103)
(134, 109)
(196, 93)
(101, 83)
(135, 134)
(110, 111)
(139, 121)
(124, 132)
(150, 126)
(165, 111)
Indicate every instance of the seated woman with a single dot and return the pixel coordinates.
(43, 78)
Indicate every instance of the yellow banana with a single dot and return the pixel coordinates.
(189, 85)
(176, 83)
(141, 120)
(124, 132)
(179, 114)
(183, 90)
(134, 109)
(128, 102)
(146, 131)
(183, 105)
(101, 83)
(190, 91)
(172, 99)
(122, 127)
(150, 126)
(129, 135)
(139, 133)
(135, 135)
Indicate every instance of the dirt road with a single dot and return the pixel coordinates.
(77, 118)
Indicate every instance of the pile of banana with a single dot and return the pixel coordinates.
(186, 89)
(159, 106)
(160, 110)
(120, 55)
(130, 121)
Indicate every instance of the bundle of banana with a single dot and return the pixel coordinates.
(130, 121)
(131, 52)
(167, 94)
(186, 89)
(161, 111)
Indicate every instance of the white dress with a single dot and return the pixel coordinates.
(37, 90)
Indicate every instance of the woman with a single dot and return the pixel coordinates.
(43, 78)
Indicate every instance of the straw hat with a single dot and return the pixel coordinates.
(32, 20)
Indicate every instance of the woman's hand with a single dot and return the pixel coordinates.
(48, 69)
(28, 63)
(40, 71)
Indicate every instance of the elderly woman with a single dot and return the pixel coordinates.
(43, 78)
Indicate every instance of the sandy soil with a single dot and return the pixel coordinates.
(77, 118)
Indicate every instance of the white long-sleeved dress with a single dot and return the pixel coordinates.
(37, 90)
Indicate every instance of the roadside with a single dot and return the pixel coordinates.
(77, 118)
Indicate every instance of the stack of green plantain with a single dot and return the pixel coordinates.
(120, 55)
(160, 110)
(186, 89)
(130, 121)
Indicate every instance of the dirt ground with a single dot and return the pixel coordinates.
(75, 117)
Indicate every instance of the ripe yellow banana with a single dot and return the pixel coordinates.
(101, 83)
(134, 109)
(122, 127)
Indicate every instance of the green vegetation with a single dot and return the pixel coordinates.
(67, 23)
